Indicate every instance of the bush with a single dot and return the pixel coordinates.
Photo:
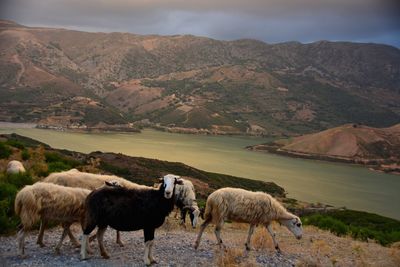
(8, 220)
(15, 143)
(18, 180)
(25, 154)
(357, 224)
(5, 151)
(58, 166)
(327, 223)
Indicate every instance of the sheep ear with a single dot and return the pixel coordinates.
(109, 183)
(161, 180)
(113, 183)
(178, 181)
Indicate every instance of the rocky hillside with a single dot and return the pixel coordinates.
(350, 142)
(188, 83)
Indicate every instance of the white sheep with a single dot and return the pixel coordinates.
(46, 201)
(185, 199)
(90, 181)
(255, 208)
(15, 167)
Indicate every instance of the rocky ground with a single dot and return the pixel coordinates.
(174, 247)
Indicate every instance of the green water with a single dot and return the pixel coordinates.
(331, 183)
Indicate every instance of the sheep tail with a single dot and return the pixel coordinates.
(26, 207)
(208, 211)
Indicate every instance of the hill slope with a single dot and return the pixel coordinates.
(189, 82)
(350, 142)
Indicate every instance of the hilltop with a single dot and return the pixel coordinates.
(378, 147)
(184, 83)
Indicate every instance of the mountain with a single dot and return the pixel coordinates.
(189, 83)
(350, 143)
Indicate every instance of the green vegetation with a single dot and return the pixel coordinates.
(358, 224)
(57, 162)
(9, 186)
(5, 151)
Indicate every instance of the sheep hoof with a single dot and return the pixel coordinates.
(196, 245)
(105, 255)
(153, 261)
(57, 251)
(248, 248)
(41, 244)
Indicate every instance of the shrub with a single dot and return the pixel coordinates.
(8, 220)
(5, 151)
(15, 143)
(25, 154)
(360, 225)
(19, 179)
(58, 166)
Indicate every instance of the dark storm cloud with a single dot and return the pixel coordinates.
(268, 20)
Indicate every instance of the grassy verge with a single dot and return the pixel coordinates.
(357, 224)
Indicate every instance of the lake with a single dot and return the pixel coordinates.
(354, 187)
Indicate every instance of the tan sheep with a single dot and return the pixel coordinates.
(45, 201)
(15, 167)
(244, 206)
(90, 181)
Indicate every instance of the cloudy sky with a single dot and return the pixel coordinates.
(271, 21)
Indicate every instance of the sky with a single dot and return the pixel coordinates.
(272, 21)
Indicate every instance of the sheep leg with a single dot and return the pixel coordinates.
(202, 227)
(248, 241)
(152, 260)
(21, 241)
(148, 238)
(87, 228)
(183, 216)
(119, 242)
(64, 234)
(72, 238)
(100, 235)
(43, 225)
(91, 238)
(84, 244)
(217, 232)
(273, 235)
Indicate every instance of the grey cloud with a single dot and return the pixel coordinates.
(271, 21)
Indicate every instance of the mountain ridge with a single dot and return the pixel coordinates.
(196, 83)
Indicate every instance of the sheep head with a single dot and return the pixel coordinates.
(194, 213)
(293, 223)
(169, 181)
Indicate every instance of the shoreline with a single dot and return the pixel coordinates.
(379, 166)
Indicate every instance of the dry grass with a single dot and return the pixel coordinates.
(233, 257)
(395, 255)
(262, 240)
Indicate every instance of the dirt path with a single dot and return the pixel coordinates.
(174, 247)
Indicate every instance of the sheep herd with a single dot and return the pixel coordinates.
(96, 200)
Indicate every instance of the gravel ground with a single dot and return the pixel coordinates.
(173, 247)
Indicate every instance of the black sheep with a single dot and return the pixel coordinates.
(129, 210)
